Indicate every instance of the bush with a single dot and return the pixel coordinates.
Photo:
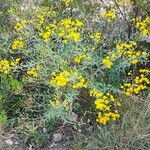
(63, 62)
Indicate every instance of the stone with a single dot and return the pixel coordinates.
(9, 142)
(57, 137)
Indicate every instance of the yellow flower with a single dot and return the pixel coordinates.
(144, 32)
(134, 61)
(96, 36)
(53, 73)
(119, 104)
(53, 26)
(66, 22)
(108, 63)
(99, 94)
(46, 35)
(14, 63)
(67, 2)
(80, 84)
(20, 25)
(144, 70)
(104, 106)
(144, 54)
(143, 26)
(74, 36)
(113, 56)
(32, 72)
(4, 66)
(17, 44)
(40, 20)
(61, 33)
(78, 59)
(62, 79)
(79, 23)
(109, 15)
(127, 93)
(127, 84)
(138, 53)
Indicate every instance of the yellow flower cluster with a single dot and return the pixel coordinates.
(105, 104)
(17, 44)
(110, 15)
(121, 50)
(127, 50)
(138, 84)
(81, 83)
(68, 23)
(144, 26)
(33, 72)
(71, 78)
(40, 20)
(20, 25)
(127, 47)
(122, 2)
(74, 36)
(57, 104)
(61, 79)
(144, 71)
(96, 36)
(6, 66)
(67, 2)
(79, 58)
(66, 29)
(105, 118)
(46, 34)
(124, 49)
(107, 62)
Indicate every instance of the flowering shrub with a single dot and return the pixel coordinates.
(138, 83)
(53, 58)
(109, 15)
(6, 66)
(143, 26)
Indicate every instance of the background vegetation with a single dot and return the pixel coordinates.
(75, 72)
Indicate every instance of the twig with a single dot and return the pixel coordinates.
(129, 25)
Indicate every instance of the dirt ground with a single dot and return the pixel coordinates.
(9, 142)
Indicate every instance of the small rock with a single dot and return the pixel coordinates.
(73, 117)
(57, 137)
(16, 142)
(9, 142)
(44, 130)
(148, 39)
(52, 145)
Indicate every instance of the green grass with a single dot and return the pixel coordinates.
(131, 133)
